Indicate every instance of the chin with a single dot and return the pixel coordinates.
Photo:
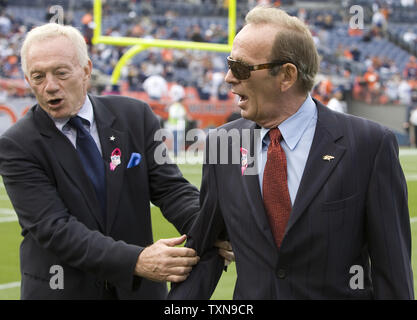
(58, 114)
(246, 115)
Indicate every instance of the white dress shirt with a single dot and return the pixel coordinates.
(86, 112)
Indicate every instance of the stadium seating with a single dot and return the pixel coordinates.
(209, 14)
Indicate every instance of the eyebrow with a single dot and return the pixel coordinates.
(240, 60)
(55, 68)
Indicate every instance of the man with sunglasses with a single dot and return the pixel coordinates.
(324, 214)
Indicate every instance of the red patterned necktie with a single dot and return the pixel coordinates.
(275, 187)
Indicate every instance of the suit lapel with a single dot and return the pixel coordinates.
(250, 182)
(67, 156)
(317, 169)
(316, 172)
(110, 139)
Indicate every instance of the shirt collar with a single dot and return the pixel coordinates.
(86, 112)
(292, 129)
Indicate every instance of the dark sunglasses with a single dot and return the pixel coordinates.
(241, 70)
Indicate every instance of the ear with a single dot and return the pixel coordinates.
(88, 69)
(289, 76)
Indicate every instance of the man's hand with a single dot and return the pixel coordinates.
(225, 250)
(162, 261)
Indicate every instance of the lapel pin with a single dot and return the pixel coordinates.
(328, 157)
(244, 160)
(115, 159)
(112, 138)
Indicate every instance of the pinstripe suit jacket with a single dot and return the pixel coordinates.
(350, 214)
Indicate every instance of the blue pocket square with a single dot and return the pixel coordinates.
(134, 160)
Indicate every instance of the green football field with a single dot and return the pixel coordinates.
(10, 232)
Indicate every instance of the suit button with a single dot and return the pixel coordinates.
(281, 273)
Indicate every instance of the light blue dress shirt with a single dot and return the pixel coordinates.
(297, 132)
(86, 112)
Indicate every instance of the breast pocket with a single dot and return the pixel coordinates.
(337, 211)
(133, 169)
(339, 204)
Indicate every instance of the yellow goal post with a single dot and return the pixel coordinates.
(140, 44)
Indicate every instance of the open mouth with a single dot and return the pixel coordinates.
(54, 102)
(242, 97)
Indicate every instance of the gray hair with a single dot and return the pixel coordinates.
(293, 42)
(50, 31)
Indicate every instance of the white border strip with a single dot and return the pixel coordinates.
(8, 219)
(7, 211)
(411, 177)
(10, 285)
(9, 215)
(408, 152)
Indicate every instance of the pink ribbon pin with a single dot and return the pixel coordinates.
(244, 159)
(115, 158)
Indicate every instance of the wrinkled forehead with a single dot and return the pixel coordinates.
(254, 43)
(52, 49)
(49, 42)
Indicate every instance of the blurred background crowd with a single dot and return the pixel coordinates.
(374, 64)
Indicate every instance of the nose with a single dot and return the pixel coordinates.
(51, 84)
(229, 77)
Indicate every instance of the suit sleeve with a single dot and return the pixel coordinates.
(388, 225)
(208, 227)
(44, 216)
(169, 190)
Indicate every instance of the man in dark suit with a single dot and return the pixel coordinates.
(86, 225)
(316, 208)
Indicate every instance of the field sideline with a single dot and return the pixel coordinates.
(10, 232)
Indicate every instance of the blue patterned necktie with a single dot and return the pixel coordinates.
(92, 160)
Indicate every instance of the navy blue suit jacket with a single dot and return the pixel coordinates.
(350, 214)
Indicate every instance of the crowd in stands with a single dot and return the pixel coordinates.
(362, 62)
(368, 63)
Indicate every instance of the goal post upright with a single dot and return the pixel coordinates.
(140, 44)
